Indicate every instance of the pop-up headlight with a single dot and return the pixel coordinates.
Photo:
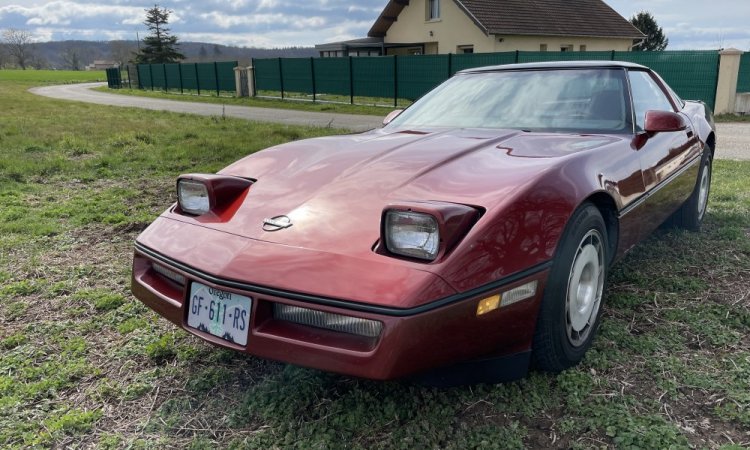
(193, 197)
(412, 234)
(210, 195)
(424, 230)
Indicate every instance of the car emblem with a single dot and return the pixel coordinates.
(277, 223)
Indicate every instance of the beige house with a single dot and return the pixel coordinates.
(102, 65)
(482, 26)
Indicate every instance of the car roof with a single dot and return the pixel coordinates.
(558, 65)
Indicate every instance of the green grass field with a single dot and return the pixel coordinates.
(84, 364)
(51, 76)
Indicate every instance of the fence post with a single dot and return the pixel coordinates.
(312, 77)
(450, 65)
(395, 81)
(166, 82)
(613, 55)
(281, 79)
(216, 77)
(179, 71)
(726, 87)
(151, 75)
(197, 79)
(517, 54)
(253, 92)
(130, 84)
(238, 81)
(351, 82)
(251, 81)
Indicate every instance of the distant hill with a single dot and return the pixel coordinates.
(78, 54)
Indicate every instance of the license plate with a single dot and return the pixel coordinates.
(220, 313)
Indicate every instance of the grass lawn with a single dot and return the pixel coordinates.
(52, 76)
(83, 364)
(732, 118)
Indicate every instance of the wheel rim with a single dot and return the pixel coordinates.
(703, 191)
(585, 287)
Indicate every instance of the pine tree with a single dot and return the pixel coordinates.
(655, 39)
(159, 47)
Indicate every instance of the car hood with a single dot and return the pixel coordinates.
(334, 189)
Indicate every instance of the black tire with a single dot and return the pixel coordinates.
(691, 213)
(561, 338)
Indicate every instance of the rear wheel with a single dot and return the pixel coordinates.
(571, 305)
(691, 213)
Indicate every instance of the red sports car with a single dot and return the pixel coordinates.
(468, 239)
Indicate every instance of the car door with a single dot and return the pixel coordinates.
(669, 160)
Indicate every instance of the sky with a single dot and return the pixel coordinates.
(689, 24)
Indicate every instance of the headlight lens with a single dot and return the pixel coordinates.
(412, 234)
(193, 197)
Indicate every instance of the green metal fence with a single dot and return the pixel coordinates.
(692, 74)
(114, 78)
(743, 83)
(208, 77)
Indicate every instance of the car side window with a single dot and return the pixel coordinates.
(647, 96)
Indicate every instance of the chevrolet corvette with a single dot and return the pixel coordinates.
(469, 238)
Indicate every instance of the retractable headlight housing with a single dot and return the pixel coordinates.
(210, 196)
(193, 197)
(425, 230)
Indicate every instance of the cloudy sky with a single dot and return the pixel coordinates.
(689, 24)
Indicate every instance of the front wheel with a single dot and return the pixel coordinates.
(571, 306)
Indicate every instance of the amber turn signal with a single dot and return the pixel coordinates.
(488, 304)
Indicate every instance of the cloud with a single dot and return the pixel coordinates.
(68, 12)
(689, 24)
(243, 22)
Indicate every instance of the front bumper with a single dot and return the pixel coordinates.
(413, 340)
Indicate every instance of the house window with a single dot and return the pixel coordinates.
(433, 9)
(414, 50)
(566, 48)
(465, 49)
(542, 47)
(583, 48)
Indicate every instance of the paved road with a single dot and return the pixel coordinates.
(734, 138)
(83, 93)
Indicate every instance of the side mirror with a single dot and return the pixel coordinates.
(392, 115)
(661, 121)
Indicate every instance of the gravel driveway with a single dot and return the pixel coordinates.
(733, 138)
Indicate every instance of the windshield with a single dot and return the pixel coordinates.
(566, 100)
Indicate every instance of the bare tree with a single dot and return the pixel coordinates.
(19, 44)
(122, 52)
(72, 58)
(3, 56)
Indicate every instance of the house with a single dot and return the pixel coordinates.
(412, 27)
(102, 65)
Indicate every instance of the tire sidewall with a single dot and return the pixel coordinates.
(706, 165)
(553, 311)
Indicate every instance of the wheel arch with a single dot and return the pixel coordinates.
(711, 142)
(608, 209)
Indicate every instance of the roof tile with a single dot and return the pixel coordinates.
(536, 17)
